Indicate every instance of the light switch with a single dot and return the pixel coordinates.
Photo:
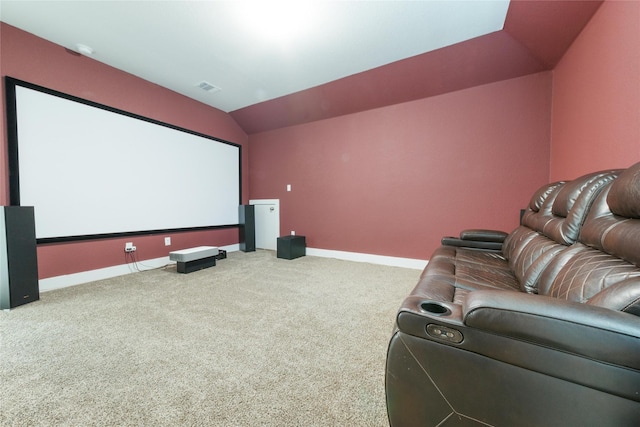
(288, 187)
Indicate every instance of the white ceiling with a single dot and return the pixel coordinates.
(231, 44)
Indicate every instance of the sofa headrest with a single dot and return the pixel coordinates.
(624, 195)
(539, 212)
(580, 189)
(572, 204)
(613, 223)
(541, 195)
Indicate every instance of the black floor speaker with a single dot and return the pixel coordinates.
(247, 222)
(18, 257)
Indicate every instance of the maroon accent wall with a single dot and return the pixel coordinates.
(392, 181)
(27, 57)
(596, 95)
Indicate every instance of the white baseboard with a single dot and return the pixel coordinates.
(417, 264)
(67, 280)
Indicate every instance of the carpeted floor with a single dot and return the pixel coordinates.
(254, 341)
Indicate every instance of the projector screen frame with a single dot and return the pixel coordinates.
(13, 160)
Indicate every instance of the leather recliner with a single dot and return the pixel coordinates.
(545, 332)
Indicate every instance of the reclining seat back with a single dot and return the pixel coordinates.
(556, 226)
(533, 220)
(603, 267)
(515, 239)
(473, 268)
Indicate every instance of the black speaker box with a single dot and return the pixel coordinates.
(291, 247)
(247, 222)
(18, 257)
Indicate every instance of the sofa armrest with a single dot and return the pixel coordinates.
(477, 239)
(471, 244)
(589, 331)
(484, 235)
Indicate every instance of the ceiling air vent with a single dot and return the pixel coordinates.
(206, 86)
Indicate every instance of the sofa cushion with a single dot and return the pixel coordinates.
(468, 269)
(583, 273)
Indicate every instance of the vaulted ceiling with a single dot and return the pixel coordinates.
(535, 36)
(344, 57)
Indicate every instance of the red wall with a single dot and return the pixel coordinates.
(596, 95)
(389, 181)
(35, 60)
(394, 180)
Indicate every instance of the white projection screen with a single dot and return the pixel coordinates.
(91, 171)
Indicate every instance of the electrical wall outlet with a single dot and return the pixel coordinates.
(167, 241)
(128, 247)
(293, 233)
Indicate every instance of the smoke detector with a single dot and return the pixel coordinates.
(208, 87)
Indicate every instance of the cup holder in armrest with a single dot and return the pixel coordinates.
(435, 308)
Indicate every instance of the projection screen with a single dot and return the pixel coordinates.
(92, 171)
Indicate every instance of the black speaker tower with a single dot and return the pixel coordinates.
(18, 257)
(247, 221)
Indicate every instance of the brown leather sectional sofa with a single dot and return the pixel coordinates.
(538, 327)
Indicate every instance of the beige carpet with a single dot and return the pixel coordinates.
(254, 341)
